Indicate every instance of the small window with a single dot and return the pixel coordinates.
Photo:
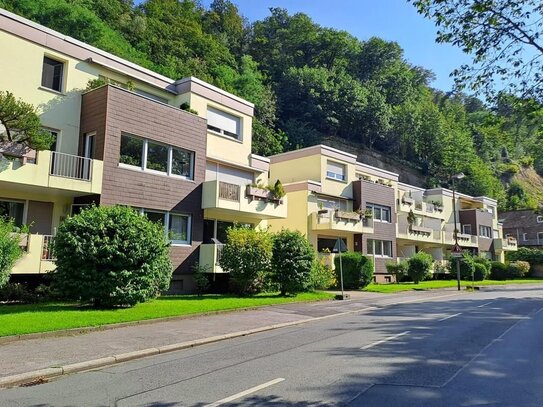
(380, 213)
(379, 247)
(525, 236)
(223, 123)
(485, 231)
(178, 228)
(181, 163)
(370, 246)
(335, 171)
(540, 219)
(388, 279)
(157, 157)
(539, 237)
(466, 229)
(387, 248)
(52, 74)
(157, 217)
(131, 150)
(12, 210)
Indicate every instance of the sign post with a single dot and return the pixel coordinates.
(340, 247)
(456, 252)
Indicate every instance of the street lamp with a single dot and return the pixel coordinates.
(455, 233)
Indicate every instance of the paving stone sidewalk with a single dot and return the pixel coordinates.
(26, 355)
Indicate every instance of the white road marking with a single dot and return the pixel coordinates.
(485, 304)
(245, 393)
(449, 317)
(371, 345)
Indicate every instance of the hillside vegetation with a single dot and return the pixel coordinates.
(311, 83)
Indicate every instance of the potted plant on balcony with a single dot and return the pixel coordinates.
(257, 191)
(411, 220)
(321, 210)
(277, 192)
(438, 206)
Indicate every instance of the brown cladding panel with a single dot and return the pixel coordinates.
(127, 112)
(40, 217)
(366, 192)
(476, 218)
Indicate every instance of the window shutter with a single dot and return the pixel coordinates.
(223, 121)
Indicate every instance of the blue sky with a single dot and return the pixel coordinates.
(393, 20)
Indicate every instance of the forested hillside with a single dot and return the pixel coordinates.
(310, 83)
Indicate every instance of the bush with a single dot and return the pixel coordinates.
(15, 292)
(398, 270)
(111, 256)
(419, 266)
(292, 261)
(480, 272)
(10, 251)
(200, 277)
(499, 271)
(532, 256)
(247, 257)
(322, 276)
(518, 269)
(357, 270)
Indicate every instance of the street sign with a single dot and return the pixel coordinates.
(456, 251)
(340, 246)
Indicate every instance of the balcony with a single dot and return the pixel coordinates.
(419, 234)
(464, 240)
(505, 244)
(38, 257)
(342, 221)
(55, 170)
(210, 255)
(420, 208)
(237, 199)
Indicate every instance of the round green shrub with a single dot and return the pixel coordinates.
(499, 271)
(398, 270)
(419, 266)
(480, 272)
(357, 270)
(292, 261)
(322, 276)
(518, 269)
(111, 256)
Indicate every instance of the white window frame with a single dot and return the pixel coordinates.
(222, 132)
(525, 236)
(539, 237)
(388, 209)
(483, 229)
(168, 172)
(539, 219)
(465, 229)
(334, 175)
(381, 243)
(166, 223)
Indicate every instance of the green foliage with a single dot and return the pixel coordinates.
(528, 254)
(357, 270)
(22, 123)
(200, 277)
(186, 107)
(499, 271)
(111, 256)
(16, 292)
(419, 266)
(322, 276)
(292, 262)
(508, 168)
(398, 270)
(277, 190)
(247, 257)
(480, 272)
(518, 269)
(10, 251)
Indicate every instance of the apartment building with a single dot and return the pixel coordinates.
(332, 196)
(526, 226)
(127, 142)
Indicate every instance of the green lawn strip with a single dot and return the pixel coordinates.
(434, 284)
(25, 319)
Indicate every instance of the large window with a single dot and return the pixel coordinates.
(335, 171)
(176, 226)
(485, 231)
(328, 243)
(52, 74)
(332, 203)
(12, 210)
(149, 155)
(381, 248)
(380, 213)
(223, 123)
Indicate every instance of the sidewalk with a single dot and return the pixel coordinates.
(88, 350)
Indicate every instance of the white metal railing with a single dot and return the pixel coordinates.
(220, 247)
(47, 248)
(70, 166)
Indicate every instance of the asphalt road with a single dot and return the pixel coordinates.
(475, 349)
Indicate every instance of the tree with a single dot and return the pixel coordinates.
(292, 260)
(247, 257)
(502, 36)
(10, 251)
(419, 266)
(111, 256)
(22, 124)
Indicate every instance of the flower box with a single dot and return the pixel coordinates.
(345, 215)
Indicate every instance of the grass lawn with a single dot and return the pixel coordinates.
(432, 284)
(24, 319)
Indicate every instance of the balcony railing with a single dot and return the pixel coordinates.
(70, 166)
(47, 248)
(228, 191)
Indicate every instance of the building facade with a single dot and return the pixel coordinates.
(526, 226)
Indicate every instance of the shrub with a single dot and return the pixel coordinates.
(518, 269)
(322, 276)
(499, 271)
(247, 257)
(532, 256)
(111, 256)
(10, 251)
(419, 266)
(480, 272)
(357, 270)
(292, 261)
(398, 270)
(200, 277)
(16, 292)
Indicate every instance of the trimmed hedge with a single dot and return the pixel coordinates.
(357, 270)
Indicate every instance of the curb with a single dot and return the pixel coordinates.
(52, 372)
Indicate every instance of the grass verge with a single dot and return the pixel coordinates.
(433, 284)
(33, 318)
